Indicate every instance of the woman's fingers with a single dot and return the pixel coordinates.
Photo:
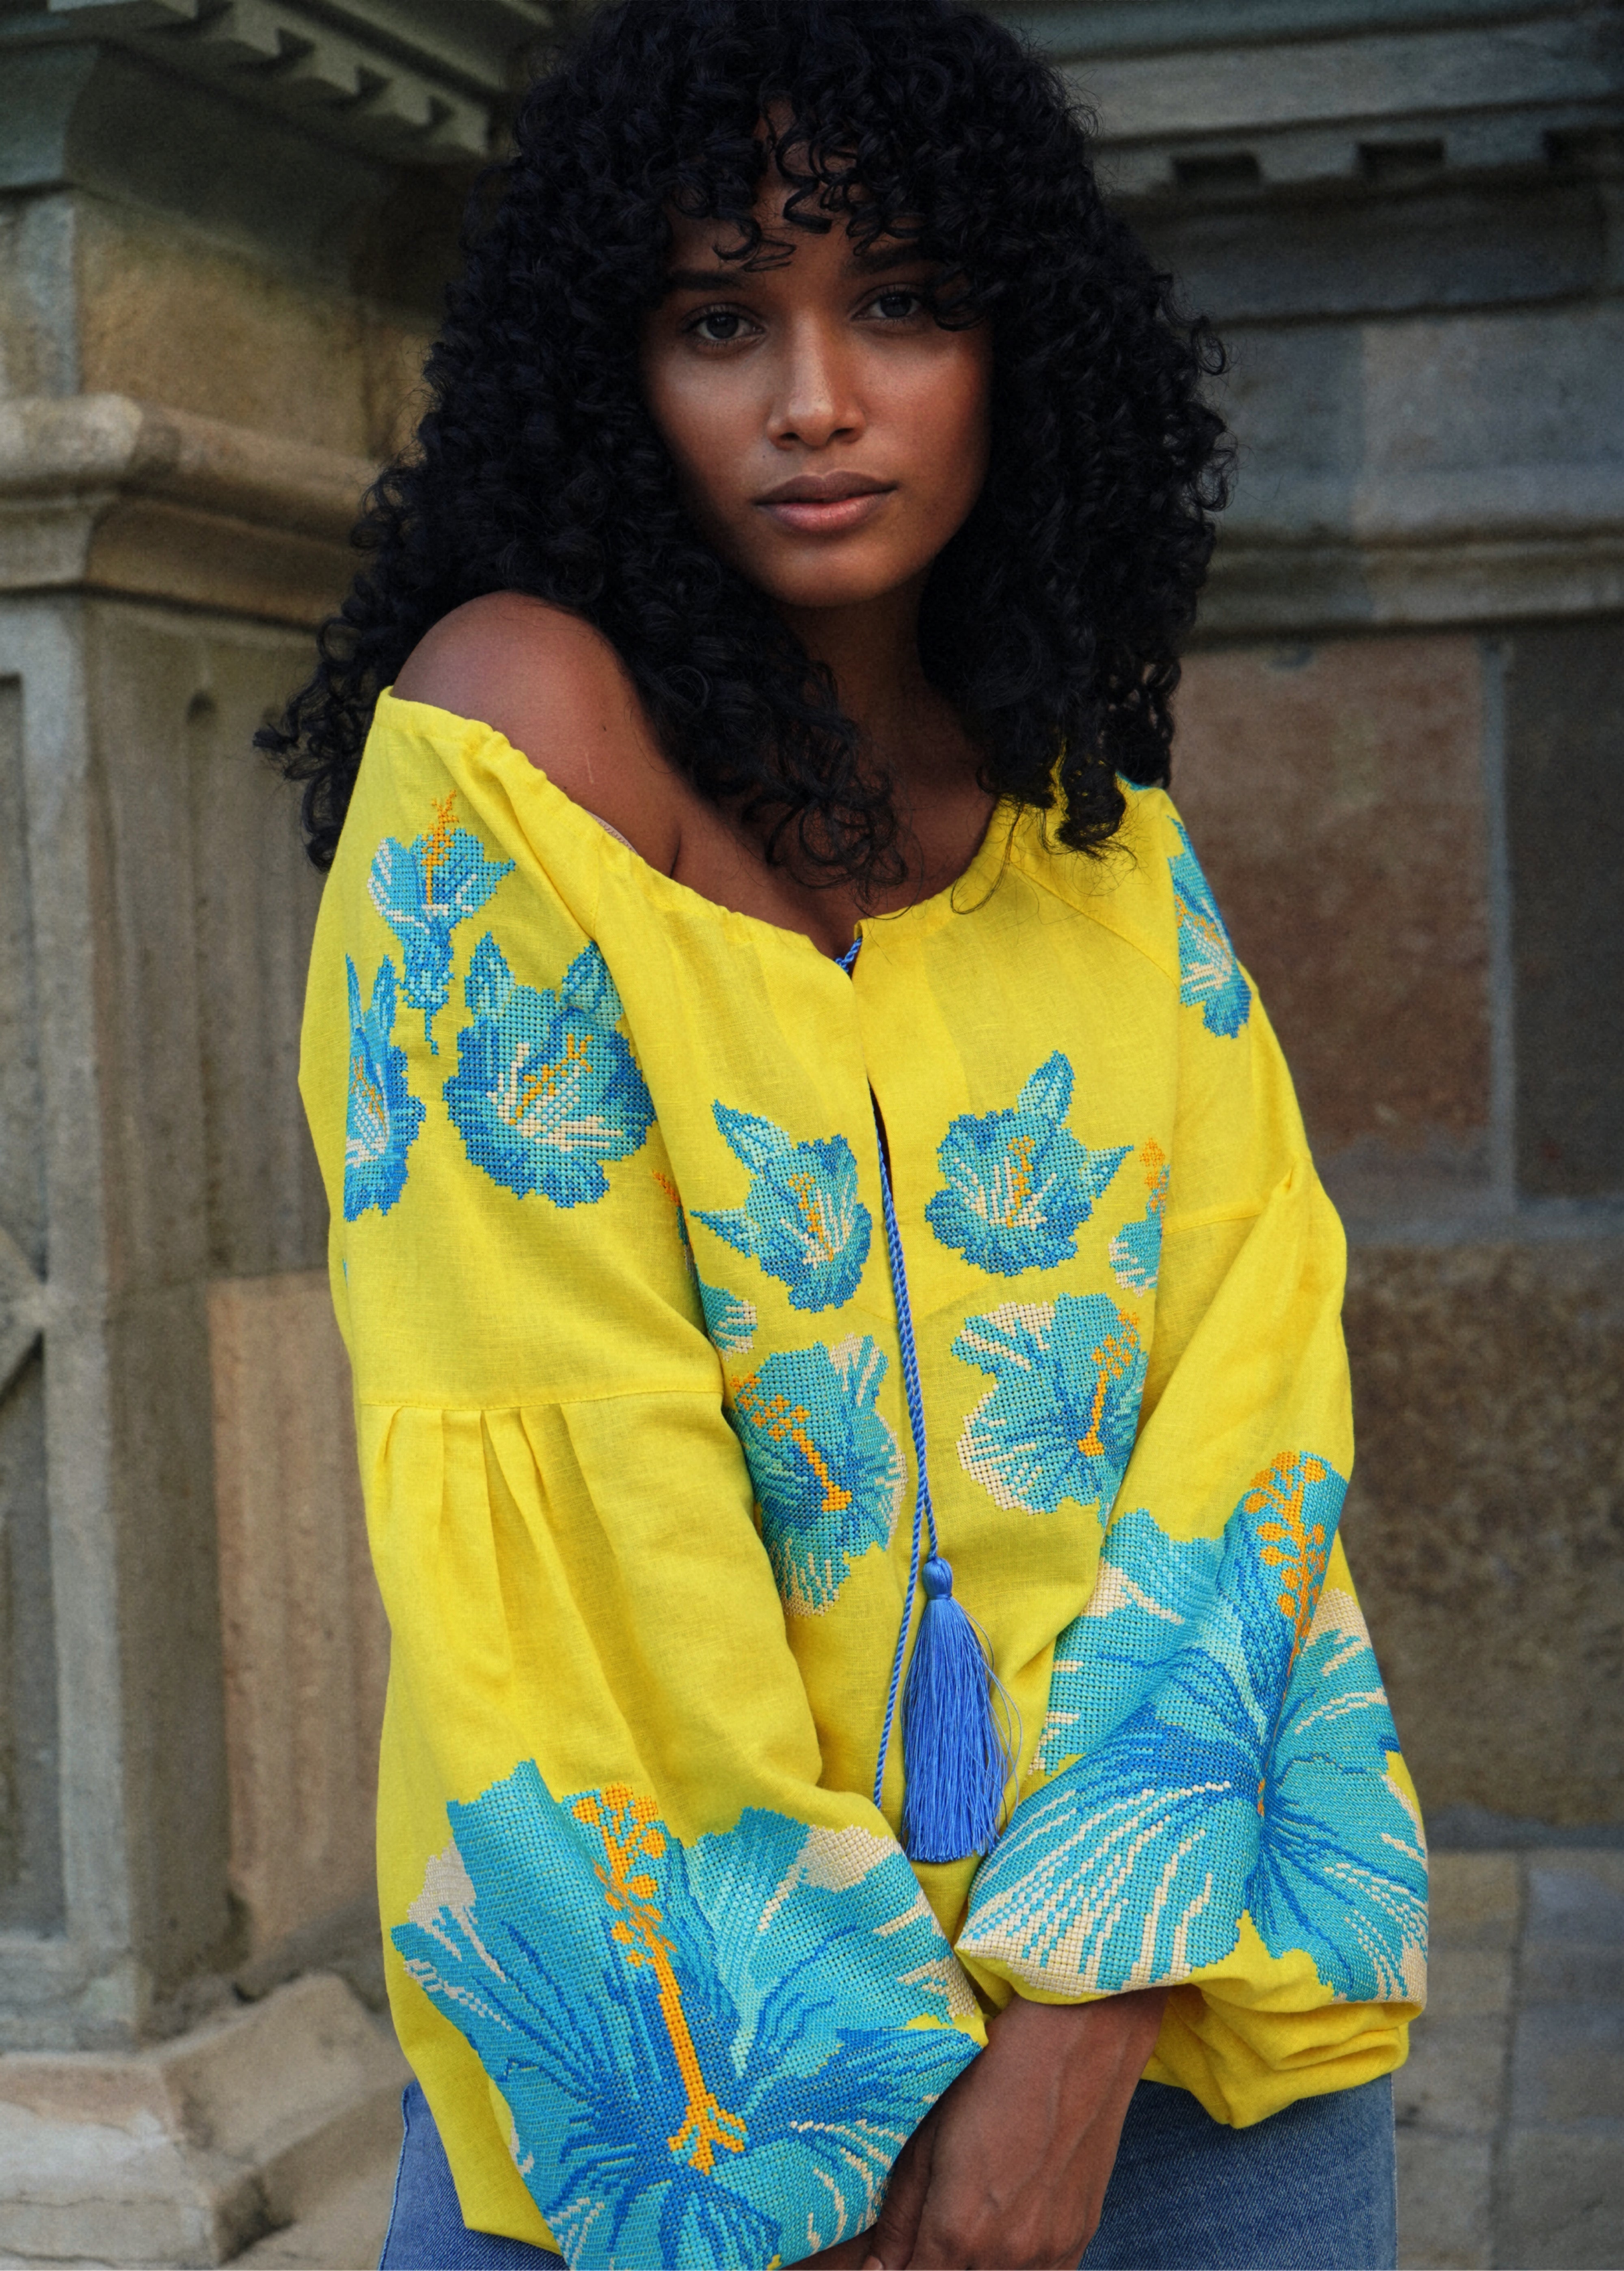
(891, 2242)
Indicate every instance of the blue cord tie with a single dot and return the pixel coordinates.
(956, 1758)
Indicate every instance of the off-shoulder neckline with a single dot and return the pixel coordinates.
(1005, 822)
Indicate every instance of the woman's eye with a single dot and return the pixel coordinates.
(897, 307)
(719, 326)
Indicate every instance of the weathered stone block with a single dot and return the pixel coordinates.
(1486, 1521)
(1445, 2188)
(306, 1646)
(1565, 821)
(1476, 1902)
(1335, 794)
(1564, 2193)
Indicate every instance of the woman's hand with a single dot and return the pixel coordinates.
(1009, 2167)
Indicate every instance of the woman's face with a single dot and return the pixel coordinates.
(829, 435)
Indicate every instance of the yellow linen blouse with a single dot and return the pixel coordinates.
(608, 1254)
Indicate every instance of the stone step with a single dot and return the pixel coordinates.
(190, 2152)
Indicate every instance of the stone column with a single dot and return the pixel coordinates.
(224, 227)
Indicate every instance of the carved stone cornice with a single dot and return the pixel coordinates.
(406, 80)
(1201, 102)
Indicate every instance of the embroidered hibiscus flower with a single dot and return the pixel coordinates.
(423, 889)
(712, 2053)
(1060, 1422)
(825, 1467)
(546, 1089)
(1237, 1755)
(802, 1221)
(1137, 1249)
(1019, 1185)
(1209, 977)
(382, 1116)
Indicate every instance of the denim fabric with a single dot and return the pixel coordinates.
(426, 2230)
(1311, 2189)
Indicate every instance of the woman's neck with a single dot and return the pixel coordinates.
(911, 735)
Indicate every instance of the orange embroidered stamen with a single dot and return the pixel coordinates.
(810, 1199)
(437, 843)
(630, 1827)
(1293, 1545)
(1114, 1356)
(537, 1086)
(1019, 1155)
(781, 1422)
(363, 1084)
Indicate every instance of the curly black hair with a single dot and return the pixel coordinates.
(1052, 620)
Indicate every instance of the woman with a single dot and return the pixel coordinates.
(844, 1326)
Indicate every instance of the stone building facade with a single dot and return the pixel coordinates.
(224, 225)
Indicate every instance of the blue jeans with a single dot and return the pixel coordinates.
(1311, 2189)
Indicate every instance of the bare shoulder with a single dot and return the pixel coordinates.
(556, 689)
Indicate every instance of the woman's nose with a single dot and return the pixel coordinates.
(815, 401)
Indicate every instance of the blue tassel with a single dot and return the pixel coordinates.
(955, 1759)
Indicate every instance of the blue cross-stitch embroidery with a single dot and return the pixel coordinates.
(712, 2053)
(1019, 1185)
(826, 1469)
(382, 1116)
(1209, 977)
(1060, 1422)
(1137, 1249)
(546, 1089)
(423, 889)
(1236, 1754)
(729, 1319)
(802, 1221)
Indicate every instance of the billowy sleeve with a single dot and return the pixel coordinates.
(1217, 1803)
(671, 2000)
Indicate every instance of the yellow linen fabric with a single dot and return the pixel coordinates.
(609, 1257)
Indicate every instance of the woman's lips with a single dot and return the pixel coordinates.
(798, 506)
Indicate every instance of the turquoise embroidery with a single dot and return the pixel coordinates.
(382, 1116)
(1210, 976)
(1111, 1657)
(423, 890)
(826, 1468)
(1238, 1746)
(1137, 1249)
(729, 1321)
(803, 1221)
(1020, 1186)
(1060, 1422)
(712, 2053)
(546, 1089)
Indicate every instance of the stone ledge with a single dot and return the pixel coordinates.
(83, 445)
(101, 493)
(186, 2154)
